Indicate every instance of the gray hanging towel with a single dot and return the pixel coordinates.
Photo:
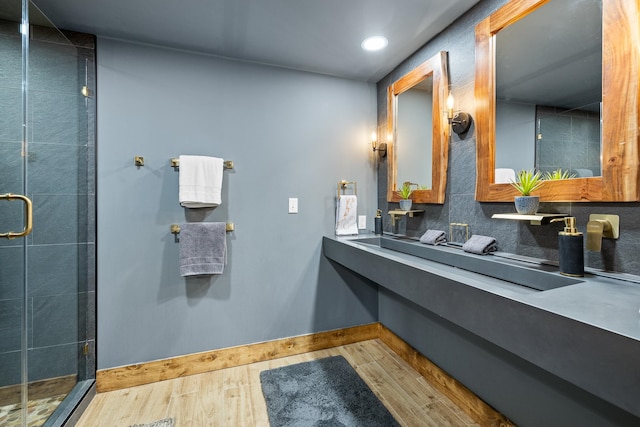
(434, 237)
(480, 245)
(203, 248)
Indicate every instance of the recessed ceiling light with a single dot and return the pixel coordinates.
(374, 43)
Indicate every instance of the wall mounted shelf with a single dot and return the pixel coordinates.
(398, 212)
(535, 219)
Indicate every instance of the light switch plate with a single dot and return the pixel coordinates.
(293, 205)
(362, 222)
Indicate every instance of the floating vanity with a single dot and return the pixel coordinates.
(581, 334)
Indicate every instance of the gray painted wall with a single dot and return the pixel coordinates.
(515, 144)
(460, 206)
(290, 134)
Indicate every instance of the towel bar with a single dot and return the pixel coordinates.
(175, 163)
(175, 228)
(342, 186)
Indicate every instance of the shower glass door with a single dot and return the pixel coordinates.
(47, 280)
(13, 252)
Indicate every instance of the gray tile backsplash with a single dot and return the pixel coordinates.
(47, 160)
(12, 273)
(59, 270)
(53, 361)
(11, 362)
(55, 319)
(53, 68)
(56, 118)
(10, 310)
(10, 120)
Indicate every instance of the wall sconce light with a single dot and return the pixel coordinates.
(459, 121)
(380, 148)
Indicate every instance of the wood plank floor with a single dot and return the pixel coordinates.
(233, 397)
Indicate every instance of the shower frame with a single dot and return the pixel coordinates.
(49, 158)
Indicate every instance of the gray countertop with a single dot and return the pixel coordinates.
(587, 333)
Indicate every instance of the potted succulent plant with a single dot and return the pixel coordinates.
(405, 193)
(527, 182)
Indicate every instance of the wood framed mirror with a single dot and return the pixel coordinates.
(618, 178)
(418, 143)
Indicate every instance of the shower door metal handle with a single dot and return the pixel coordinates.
(28, 216)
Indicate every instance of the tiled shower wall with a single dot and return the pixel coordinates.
(460, 206)
(60, 181)
(569, 140)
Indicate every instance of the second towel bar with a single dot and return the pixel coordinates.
(175, 228)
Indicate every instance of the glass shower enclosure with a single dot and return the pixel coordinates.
(47, 218)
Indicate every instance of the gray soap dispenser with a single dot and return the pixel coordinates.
(571, 248)
(378, 223)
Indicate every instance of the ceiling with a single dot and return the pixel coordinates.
(321, 36)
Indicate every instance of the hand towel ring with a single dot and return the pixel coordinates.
(342, 187)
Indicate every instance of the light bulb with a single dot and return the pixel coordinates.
(450, 106)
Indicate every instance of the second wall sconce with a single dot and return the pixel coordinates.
(459, 121)
(380, 148)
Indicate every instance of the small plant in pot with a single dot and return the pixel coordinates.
(527, 182)
(405, 193)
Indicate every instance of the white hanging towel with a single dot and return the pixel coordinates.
(200, 182)
(347, 215)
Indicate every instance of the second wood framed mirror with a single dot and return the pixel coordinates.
(616, 50)
(418, 132)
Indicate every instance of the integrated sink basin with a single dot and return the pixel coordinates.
(532, 275)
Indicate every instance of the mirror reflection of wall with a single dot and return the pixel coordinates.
(515, 135)
(549, 89)
(414, 134)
